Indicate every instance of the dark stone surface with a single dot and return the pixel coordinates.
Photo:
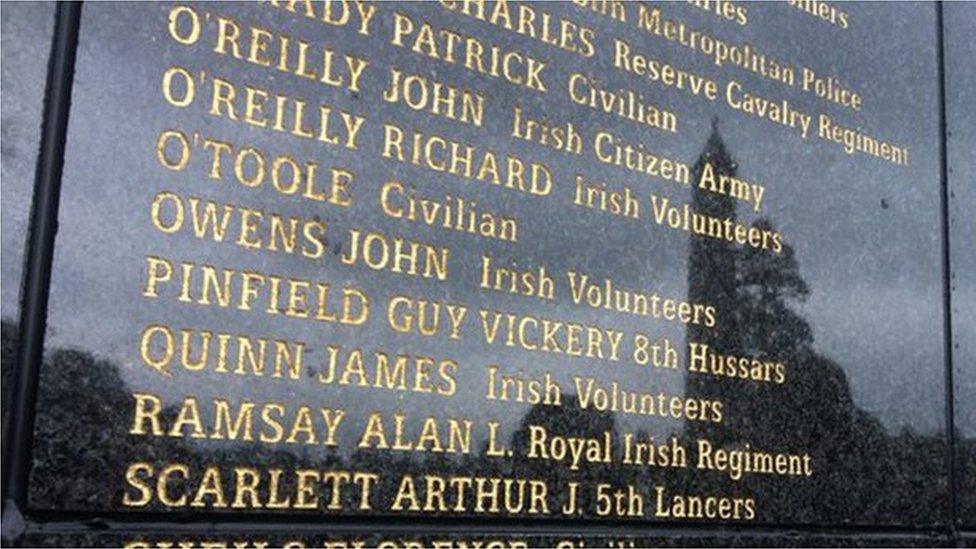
(851, 305)
(26, 45)
(960, 24)
(478, 537)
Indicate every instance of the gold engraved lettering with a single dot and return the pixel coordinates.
(422, 94)
(593, 395)
(279, 112)
(575, 450)
(692, 507)
(479, 495)
(531, 21)
(547, 335)
(336, 13)
(208, 285)
(249, 228)
(452, 47)
(199, 350)
(248, 488)
(750, 461)
(267, 48)
(624, 103)
(450, 212)
(405, 315)
(303, 426)
(545, 390)
(437, 436)
(531, 283)
(611, 149)
(378, 369)
(443, 155)
(614, 9)
(378, 252)
(561, 137)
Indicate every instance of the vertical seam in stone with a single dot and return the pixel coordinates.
(42, 227)
(946, 276)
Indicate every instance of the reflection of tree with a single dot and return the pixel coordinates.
(861, 473)
(80, 430)
(568, 420)
(8, 345)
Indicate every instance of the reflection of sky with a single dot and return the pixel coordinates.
(960, 25)
(873, 271)
(960, 97)
(22, 73)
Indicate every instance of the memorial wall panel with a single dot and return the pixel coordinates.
(612, 263)
(960, 24)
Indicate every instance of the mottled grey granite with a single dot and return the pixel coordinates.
(25, 45)
(960, 50)
(853, 304)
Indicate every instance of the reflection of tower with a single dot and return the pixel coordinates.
(713, 265)
(812, 411)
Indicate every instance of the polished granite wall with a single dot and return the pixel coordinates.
(26, 36)
(960, 23)
(853, 304)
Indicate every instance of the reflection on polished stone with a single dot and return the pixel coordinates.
(961, 132)
(26, 37)
(714, 314)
